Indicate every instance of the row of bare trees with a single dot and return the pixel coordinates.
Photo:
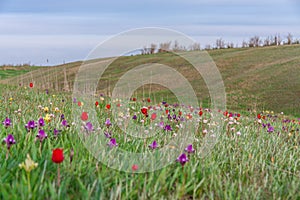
(255, 41)
(167, 46)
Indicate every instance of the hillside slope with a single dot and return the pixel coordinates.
(255, 78)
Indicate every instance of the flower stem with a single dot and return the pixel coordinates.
(58, 176)
(28, 182)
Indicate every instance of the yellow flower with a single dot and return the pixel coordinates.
(28, 165)
(53, 96)
(47, 118)
(11, 99)
(46, 109)
(56, 109)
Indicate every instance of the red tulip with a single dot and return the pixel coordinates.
(144, 111)
(108, 106)
(200, 113)
(57, 155)
(258, 116)
(134, 167)
(31, 85)
(79, 103)
(84, 116)
(96, 103)
(153, 116)
(148, 100)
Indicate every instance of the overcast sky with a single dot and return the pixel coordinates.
(67, 30)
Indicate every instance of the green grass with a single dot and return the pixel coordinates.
(254, 165)
(12, 71)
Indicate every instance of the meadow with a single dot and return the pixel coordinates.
(256, 154)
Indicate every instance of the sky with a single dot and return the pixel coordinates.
(58, 31)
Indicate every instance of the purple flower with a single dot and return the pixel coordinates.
(7, 122)
(153, 145)
(182, 159)
(41, 122)
(9, 140)
(41, 135)
(107, 122)
(112, 143)
(65, 123)
(62, 117)
(134, 117)
(74, 100)
(264, 125)
(168, 128)
(56, 132)
(30, 125)
(47, 91)
(161, 124)
(107, 134)
(190, 149)
(89, 126)
(270, 129)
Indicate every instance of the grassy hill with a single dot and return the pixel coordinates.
(254, 78)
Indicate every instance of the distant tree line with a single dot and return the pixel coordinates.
(255, 41)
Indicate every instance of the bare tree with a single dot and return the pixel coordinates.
(207, 47)
(164, 47)
(176, 46)
(289, 38)
(195, 47)
(267, 41)
(254, 41)
(220, 44)
(153, 48)
(244, 44)
(230, 45)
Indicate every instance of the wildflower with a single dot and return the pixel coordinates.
(31, 85)
(107, 134)
(134, 167)
(258, 116)
(9, 140)
(182, 159)
(56, 109)
(153, 145)
(153, 116)
(62, 117)
(56, 132)
(47, 118)
(134, 117)
(7, 122)
(84, 116)
(270, 129)
(200, 113)
(57, 155)
(107, 122)
(190, 149)
(30, 125)
(168, 128)
(96, 103)
(144, 110)
(41, 135)
(80, 103)
(148, 100)
(238, 133)
(112, 143)
(74, 100)
(41, 122)
(89, 126)
(65, 123)
(28, 165)
(108, 106)
(46, 109)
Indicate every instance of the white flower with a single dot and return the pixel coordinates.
(238, 133)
